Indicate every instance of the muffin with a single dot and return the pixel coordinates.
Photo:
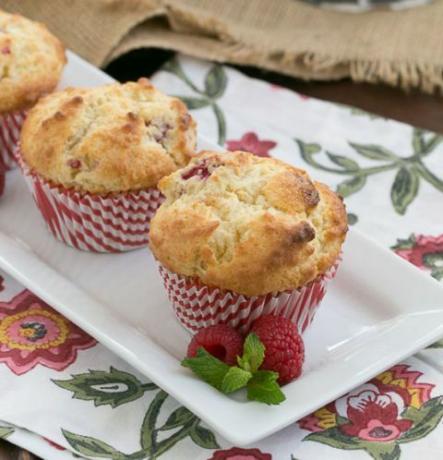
(240, 236)
(31, 62)
(93, 158)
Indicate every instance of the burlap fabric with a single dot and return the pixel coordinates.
(403, 48)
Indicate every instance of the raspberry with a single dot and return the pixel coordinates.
(74, 163)
(221, 340)
(284, 349)
(200, 170)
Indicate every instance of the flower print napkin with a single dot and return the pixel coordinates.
(62, 393)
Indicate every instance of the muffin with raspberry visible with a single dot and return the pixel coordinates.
(240, 236)
(31, 63)
(93, 158)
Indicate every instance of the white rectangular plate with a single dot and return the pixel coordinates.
(378, 310)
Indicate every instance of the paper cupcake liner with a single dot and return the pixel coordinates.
(10, 126)
(112, 223)
(2, 177)
(197, 306)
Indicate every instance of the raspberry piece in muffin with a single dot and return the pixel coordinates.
(107, 147)
(117, 137)
(199, 171)
(246, 224)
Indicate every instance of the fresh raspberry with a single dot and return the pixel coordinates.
(221, 340)
(284, 349)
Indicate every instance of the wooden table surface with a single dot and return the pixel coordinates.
(424, 111)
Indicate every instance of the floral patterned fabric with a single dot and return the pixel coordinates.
(32, 333)
(64, 394)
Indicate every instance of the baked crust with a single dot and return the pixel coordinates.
(113, 138)
(247, 224)
(31, 62)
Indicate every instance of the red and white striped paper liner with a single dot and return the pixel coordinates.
(197, 306)
(10, 126)
(2, 177)
(112, 223)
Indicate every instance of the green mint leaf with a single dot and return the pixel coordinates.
(263, 387)
(253, 353)
(243, 363)
(235, 379)
(207, 367)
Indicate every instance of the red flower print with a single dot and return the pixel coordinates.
(240, 454)
(373, 414)
(425, 252)
(374, 410)
(390, 409)
(320, 420)
(54, 444)
(251, 143)
(402, 379)
(32, 333)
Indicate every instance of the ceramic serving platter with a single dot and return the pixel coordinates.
(378, 310)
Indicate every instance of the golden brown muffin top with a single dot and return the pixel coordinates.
(114, 138)
(247, 224)
(31, 62)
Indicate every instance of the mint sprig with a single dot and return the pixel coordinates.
(207, 367)
(261, 385)
(235, 379)
(253, 354)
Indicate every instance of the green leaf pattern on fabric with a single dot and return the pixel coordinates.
(116, 388)
(113, 388)
(165, 425)
(216, 82)
(410, 170)
(179, 417)
(5, 431)
(91, 447)
(350, 186)
(404, 189)
(425, 419)
(204, 438)
(438, 344)
(194, 103)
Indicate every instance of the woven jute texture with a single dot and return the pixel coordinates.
(403, 48)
